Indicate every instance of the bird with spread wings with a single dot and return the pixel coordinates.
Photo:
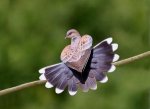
(81, 64)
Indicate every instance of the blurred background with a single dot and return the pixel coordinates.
(32, 36)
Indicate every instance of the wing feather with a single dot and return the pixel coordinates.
(99, 62)
(67, 54)
(85, 43)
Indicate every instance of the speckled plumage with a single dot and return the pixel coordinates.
(81, 64)
(73, 54)
(78, 52)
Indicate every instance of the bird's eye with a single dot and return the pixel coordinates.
(70, 33)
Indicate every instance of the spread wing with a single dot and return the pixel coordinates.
(84, 45)
(59, 76)
(73, 55)
(70, 55)
(100, 62)
(67, 54)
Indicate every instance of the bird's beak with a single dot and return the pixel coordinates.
(66, 37)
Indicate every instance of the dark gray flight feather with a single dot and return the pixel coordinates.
(99, 62)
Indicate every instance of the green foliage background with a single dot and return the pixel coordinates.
(32, 36)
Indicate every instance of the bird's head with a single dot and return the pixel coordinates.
(72, 34)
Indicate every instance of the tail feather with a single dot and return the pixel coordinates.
(101, 60)
(54, 81)
(72, 86)
(99, 75)
(92, 83)
(103, 47)
(84, 87)
(101, 66)
(99, 63)
(52, 70)
(96, 74)
(104, 57)
(62, 83)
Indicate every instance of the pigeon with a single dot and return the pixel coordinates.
(81, 64)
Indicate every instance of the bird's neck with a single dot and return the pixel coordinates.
(75, 41)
